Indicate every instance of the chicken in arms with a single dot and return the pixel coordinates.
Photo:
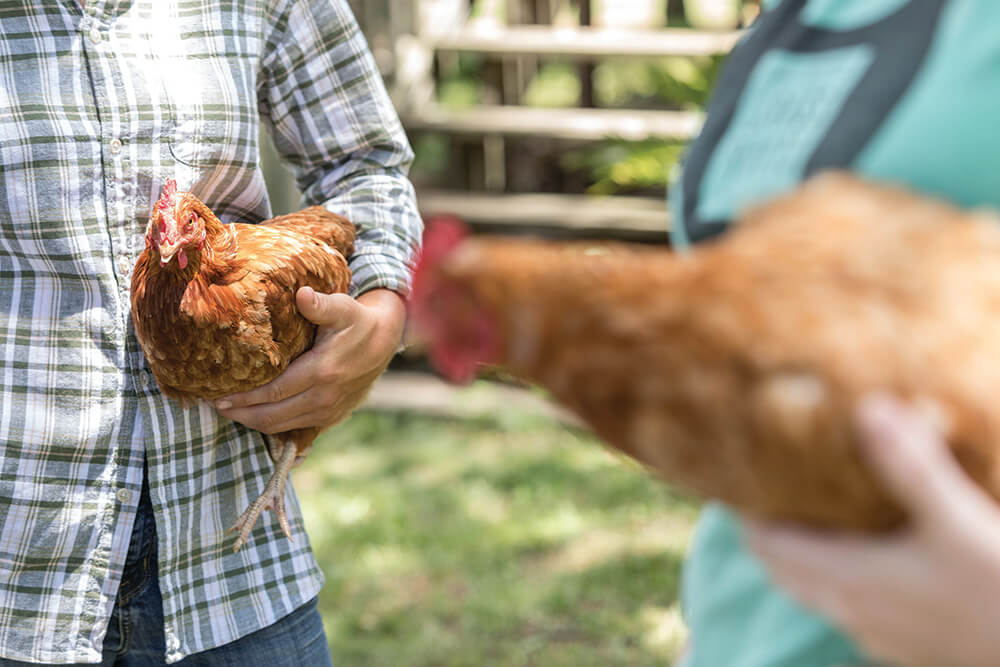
(215, 313)
(734, 370)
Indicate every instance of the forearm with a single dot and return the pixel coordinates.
(391, 309)
(332, 120)
(383, 208)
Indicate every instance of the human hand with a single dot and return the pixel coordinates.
(355, 340)
(927, 595)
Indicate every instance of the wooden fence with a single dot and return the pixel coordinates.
(410, 38)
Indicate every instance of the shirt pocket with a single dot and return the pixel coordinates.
(209, 83)
(213, 134)
(201, 144)
(214, 116)
(208, 78)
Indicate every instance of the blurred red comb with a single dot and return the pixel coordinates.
(442, 235)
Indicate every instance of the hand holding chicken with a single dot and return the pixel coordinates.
(898, 594)
(215, 309)
(355, 340)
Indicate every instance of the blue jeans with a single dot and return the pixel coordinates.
(135, 632)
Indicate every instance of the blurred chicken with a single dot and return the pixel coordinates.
(734, 370)
(214, 309)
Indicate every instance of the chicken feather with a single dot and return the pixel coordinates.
(222, 318)
(734, 370)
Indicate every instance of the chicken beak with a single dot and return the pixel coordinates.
(168, 250)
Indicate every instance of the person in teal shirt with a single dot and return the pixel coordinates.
(900, 91)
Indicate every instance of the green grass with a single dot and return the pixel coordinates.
(509, 542)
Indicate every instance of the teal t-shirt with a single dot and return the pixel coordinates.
(905, 91)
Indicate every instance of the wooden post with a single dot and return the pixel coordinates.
(586, 69)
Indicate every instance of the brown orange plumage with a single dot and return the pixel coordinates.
(214, 307)
(734, 370)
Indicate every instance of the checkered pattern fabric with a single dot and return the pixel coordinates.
(99, 105)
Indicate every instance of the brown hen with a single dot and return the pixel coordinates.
(733, 370)
(214, 309)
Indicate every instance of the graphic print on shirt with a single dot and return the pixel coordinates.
(795, 99)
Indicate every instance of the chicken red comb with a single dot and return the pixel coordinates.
(458, 330)
(168, 194)
(442, 235)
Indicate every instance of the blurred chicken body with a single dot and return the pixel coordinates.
(214, 309)
(734, 370)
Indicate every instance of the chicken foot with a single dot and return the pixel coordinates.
(272, 498)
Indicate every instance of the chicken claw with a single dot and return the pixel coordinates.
(272, 498)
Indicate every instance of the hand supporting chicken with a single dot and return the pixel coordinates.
(215, 310)
(734, 370)
(923, 595)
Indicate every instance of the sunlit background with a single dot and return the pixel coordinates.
(480, 526)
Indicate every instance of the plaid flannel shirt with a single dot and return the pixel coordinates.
(98, 107)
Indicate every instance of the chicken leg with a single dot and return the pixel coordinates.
(272, 498)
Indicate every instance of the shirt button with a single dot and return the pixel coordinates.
(124, 266)
(95, 35)
(115, 146)
(144, 380)
(123, 495)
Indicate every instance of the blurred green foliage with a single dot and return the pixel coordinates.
(557, 84)
(610, 166)
(616, 166)
(432, 151)
(670, 83)
(619, 166)
(461, 80)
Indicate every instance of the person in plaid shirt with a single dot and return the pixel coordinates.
(114, 501)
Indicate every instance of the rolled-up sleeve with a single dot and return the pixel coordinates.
(330, 117)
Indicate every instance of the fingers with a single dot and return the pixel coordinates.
(268, 417)
(795, 561)
(337, 311)
(317, 407)
(797, 551)
(355, 341)
(824, 571)
(911, 458)
(298, 377)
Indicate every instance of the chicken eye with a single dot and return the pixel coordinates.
(190, 223)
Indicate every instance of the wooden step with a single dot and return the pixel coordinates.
(566, 124)
(633, 218)
(587, 43)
